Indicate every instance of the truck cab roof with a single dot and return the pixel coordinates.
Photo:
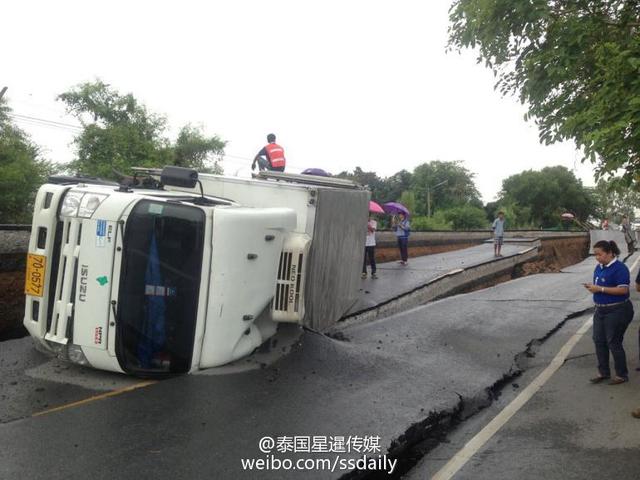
(97, 185)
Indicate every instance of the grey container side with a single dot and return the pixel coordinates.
(335, 256)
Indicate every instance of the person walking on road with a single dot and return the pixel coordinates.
(369, 249)
(498, 234)
(628, 234)
(402, 228)
(271, 157)
(613, 312)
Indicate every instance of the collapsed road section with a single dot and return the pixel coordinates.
(436, 276)
(390, 380)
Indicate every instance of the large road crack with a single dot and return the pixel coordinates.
(424, 436)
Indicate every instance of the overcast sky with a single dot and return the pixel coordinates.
(341, 83)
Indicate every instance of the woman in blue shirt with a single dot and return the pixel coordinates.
(613, 312)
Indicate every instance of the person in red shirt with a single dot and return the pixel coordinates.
(271, 157)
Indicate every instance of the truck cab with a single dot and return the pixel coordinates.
(154, 282)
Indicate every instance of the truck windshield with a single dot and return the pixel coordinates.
(160, 280)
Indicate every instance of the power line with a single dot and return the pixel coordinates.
(247, 159)
(45, 125)
(43, 122)
(18, 116)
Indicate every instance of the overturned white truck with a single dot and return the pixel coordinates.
(193, 271)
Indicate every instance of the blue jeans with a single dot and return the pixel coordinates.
(403, 244)
(609, 326)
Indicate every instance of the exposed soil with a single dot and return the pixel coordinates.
(391, 254)
(555, 255)
(11, 305)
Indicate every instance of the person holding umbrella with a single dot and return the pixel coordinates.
(400, 224)
(370, 242)
(402, 228)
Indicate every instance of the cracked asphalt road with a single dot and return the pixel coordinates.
(389, 376)
(570, 429)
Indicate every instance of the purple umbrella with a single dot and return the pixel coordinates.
(316, 171)
(395, 208)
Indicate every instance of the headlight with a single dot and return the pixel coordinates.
(76, 355)
(71, 204)
(83, 205)
(89, 204)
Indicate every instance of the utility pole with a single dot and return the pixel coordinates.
(4, 89)
(429, 196)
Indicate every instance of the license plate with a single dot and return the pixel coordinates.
(36, 269)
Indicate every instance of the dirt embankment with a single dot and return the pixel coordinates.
(12, 268)
(391, 254)
(13, 248)
(555, 254)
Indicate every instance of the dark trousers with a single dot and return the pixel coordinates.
(403, 245)
(369, 252)
(264, 164)
(609, 325)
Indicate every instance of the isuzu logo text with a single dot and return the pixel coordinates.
(84, 274)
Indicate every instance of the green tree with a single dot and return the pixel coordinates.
(516, 216)
(193, 149)
(444, 185)
(22, 170)
(574, 63)
(368, 179)
(538, 198)
(119, 133)
(466, 217)
(613, 199)
(394, 186)
(408, 199)
(435, 222)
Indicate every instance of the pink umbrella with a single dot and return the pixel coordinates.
(375, 208)
(568, 216)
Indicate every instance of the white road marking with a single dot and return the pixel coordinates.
(476, 443)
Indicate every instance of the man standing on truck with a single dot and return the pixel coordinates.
(271, 157)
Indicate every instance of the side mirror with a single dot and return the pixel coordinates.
(179, 176)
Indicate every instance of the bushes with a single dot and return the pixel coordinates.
(437, 222)
(466, 217)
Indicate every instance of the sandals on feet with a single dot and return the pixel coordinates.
(618, 381)
(598, 379)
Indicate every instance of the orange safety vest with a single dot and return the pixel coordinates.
(275, 154)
